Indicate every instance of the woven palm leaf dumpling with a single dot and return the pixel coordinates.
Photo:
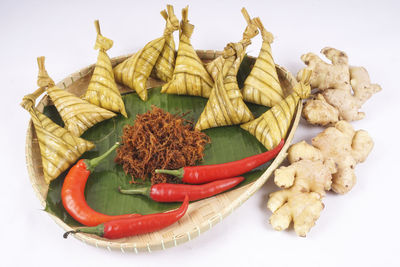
(273, 125)
(262, 86)
(102, 90)
(225, 105)
(135, 71)
(251, 30)
(77, 114)
(190, 76)
(59, 148)
(165, 64)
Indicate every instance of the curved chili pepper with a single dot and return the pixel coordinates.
(135, 226)
(73, 197)
(207, 173)
(176, 192)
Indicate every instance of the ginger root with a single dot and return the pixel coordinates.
(342, 89)
(304, 183)
(326, 164)
(346, 147)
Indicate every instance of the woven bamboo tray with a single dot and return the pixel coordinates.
(201, 215)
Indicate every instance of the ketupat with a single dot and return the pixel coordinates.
(190, 76)
(215, 66)
(225, 105)
(59, 148)
(102, 90)
(262, 86)
(77, 114)
(273, 125)
(326, 164)
(343, 89)
(134, 71)
(165, 64)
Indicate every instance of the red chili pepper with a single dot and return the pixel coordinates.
(176, 192)
(72, 193)
(135, 226)
(207, 173)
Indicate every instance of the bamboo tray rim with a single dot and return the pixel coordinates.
(182, 237)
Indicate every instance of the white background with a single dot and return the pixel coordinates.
(357, 229)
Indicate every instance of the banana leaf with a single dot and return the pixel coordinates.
(227, 144)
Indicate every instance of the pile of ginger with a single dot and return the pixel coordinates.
(328, 163)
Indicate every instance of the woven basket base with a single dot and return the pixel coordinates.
(201, 215)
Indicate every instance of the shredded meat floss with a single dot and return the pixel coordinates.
(159, 140)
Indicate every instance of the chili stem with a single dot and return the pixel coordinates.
(145, 191)
(97, 230)
(177, 173)
(92, 163)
